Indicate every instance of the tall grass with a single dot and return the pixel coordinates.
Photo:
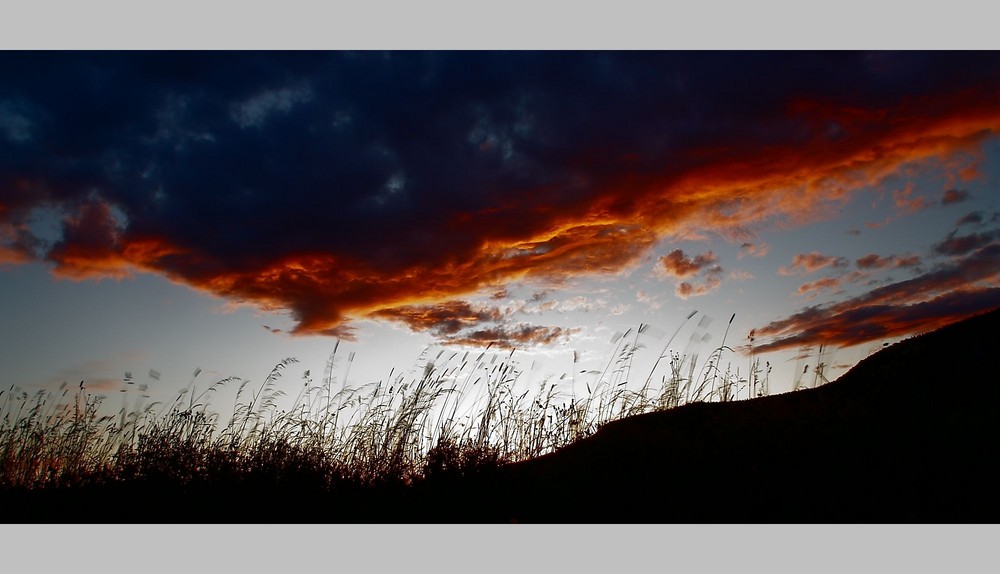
(458, 413)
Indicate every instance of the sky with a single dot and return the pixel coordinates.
(185, 216)
(58, 328)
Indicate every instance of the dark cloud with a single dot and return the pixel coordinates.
(521, 335)
(951, 291)
(961, 244)
(338, 184)
(868, 323)
(90, 243)
(972, 218)
(953, 196)
(464, 323)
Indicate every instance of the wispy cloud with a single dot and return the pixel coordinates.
(97, 375)
(974, 218)
(956, 244)
(579, 303)
(906, 202)
(805, 263)
(957, 288)
(12, 256)
(753, 249)
(875, 261)
(819, 284)
(811, 288)
(651, 301)
(15, 244)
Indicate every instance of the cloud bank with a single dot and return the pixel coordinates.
(339, 185)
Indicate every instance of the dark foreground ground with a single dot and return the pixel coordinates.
(910, 435)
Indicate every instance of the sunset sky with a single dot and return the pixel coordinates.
(162, 212)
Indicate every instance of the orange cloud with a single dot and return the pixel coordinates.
(819, 284)
(16, 244)
(600, 222)
(9, 255)
(443, 319)
(510, 337)
(905, 201)
(687, 289)
(676, 264)
(804, 263)
(90, 247)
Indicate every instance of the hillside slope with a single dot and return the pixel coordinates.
(907, 436)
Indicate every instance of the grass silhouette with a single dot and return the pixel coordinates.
(890, 441)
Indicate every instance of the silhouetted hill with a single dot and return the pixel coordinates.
(908, 435)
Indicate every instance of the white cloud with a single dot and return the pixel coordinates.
(650, 300)
(620, 309)
(581, 303)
